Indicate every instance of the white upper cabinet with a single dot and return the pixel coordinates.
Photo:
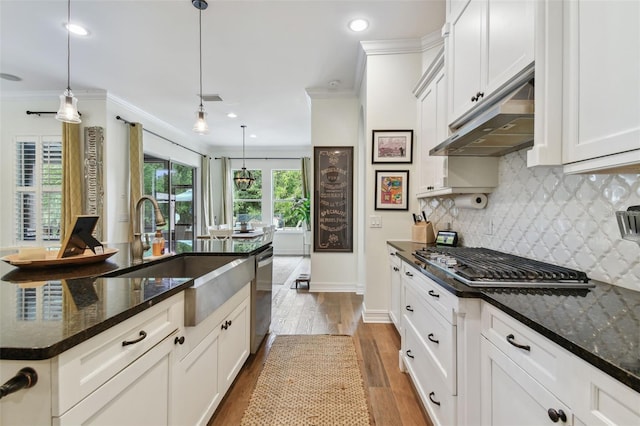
(601, 86)
(491, 44)
(442, 175)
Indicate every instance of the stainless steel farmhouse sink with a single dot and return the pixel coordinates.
(216, 279)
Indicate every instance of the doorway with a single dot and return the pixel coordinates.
(172, 184)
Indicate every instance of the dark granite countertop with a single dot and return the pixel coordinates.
(600, 325)
(44, 312)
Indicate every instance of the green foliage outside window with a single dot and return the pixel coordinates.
(287, 188)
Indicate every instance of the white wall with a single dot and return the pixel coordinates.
(334, 122)
(390, 105)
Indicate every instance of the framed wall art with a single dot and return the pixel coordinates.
(392, 146)
(392, 189)
(333, 200)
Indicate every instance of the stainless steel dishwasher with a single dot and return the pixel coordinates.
(261, 298)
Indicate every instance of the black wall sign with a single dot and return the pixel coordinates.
(333, 204)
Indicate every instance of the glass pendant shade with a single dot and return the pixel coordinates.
(68, 111)
(243, 179)
(201, 127)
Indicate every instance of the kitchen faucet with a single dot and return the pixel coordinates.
(137, 247)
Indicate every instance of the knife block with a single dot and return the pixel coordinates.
(423, 233)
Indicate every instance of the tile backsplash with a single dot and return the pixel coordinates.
(541, 213)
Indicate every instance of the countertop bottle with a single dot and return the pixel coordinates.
(157, 246)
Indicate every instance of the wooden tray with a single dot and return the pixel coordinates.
(52, 259)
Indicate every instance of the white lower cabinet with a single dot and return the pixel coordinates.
(440, 349)
(234, 345)
(138, 395)
(512, 397)
(395, 283)
(208, 360)
(147, 370)
(529, 380)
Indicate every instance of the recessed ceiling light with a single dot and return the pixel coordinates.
(232, 115)
(76, 29)
(253, 135)
(358, 25)
(9, 77)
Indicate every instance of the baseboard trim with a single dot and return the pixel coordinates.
(375, 315)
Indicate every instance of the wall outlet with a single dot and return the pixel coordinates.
(375, 221)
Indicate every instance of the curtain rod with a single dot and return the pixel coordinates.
(260, 158)
(160, 136)
(38, 113)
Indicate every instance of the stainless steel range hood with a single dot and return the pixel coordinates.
(504, 127)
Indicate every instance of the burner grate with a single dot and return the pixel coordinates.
(486, 265)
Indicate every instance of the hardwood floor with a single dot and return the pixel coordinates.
(391, 396)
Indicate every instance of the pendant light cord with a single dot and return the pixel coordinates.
(68, 46)
(200, 26)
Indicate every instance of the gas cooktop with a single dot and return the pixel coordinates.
(481, 267)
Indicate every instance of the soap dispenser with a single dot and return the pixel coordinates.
(157, 246)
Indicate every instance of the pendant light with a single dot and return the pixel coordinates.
(68, 111)
(243, 179)
(201, 127)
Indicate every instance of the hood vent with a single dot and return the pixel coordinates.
(504, 127)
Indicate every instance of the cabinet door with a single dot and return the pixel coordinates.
(465, 58)
(510, 396)
(601, 79)
(428, 138)
(396, 283)
(195, 391)
(510, 41)
(234, 344)
(138, 395)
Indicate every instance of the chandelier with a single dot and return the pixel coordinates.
(243, 179)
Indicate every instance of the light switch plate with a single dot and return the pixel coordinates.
(375, 221)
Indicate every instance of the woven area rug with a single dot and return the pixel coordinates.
(309, 380)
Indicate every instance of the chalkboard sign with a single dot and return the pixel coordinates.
(333, 203)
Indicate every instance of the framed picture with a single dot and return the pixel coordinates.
(392, 188)
(392, 146)
(333, 199)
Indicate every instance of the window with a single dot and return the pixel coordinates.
(287, 186)
(247, 205)
(38, 189)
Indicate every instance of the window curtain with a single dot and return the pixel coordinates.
(207, 193)
(306, 177)
(72, 176)
(136, 164)
(227, 192)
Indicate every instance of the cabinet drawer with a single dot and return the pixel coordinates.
(436, 397)
(83, 368)
(437, 335)
(545, 361)
(445, 303)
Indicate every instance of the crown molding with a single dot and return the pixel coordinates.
(391, 47)
(321, 93)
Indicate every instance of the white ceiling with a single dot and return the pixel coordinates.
(259, 56)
